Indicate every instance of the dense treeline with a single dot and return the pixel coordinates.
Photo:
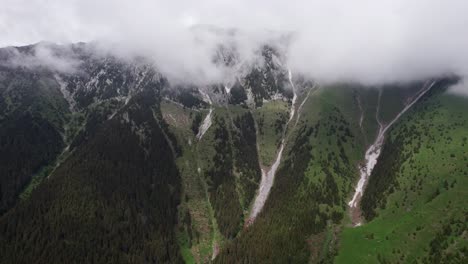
(237, 95)
(113, 200)
(197, 120)
(246, 157)
(440, 246)
(222, 186)
(284, 232)
(32, 114)
(27, 144)
(235, 172)
(382, 181)
(254, 80)
(272, 239)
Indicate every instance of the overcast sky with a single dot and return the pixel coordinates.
(371, 41)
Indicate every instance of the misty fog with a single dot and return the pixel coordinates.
(370, 42)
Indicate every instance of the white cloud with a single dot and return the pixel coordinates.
(362, 40)
(460, 88)
(43, 56)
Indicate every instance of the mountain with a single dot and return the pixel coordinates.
(111, 177)
(414, 201)
(107, 160)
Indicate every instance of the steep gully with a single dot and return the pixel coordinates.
(361, 118)
(207, 121)
(373, 153)
(268, 175)
(204, 126)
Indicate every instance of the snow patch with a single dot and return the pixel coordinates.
(227, 89)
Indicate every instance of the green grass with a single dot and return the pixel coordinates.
(35, 181)
(193, 186)
(184, 242)
(327, 107)
(271, 119)
(71, 128)
(311, 185)
(421, 205)
(196, 160)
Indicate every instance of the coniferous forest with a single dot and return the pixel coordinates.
(114, 163)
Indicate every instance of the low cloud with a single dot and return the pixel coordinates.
(460, 88)
(370, 42)
(42, 55)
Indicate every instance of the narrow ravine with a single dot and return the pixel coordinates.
(268, 175)
(215, 250)
(205, 125)
(299, 110)
(361, 118)
(373, 153)
(291, 113)
(265, 186)
(361, 110)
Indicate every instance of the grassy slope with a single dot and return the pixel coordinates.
(308, 202)
(195, 236)
(435, 139)
(317, 172)
(271, 119)
(199, 231)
